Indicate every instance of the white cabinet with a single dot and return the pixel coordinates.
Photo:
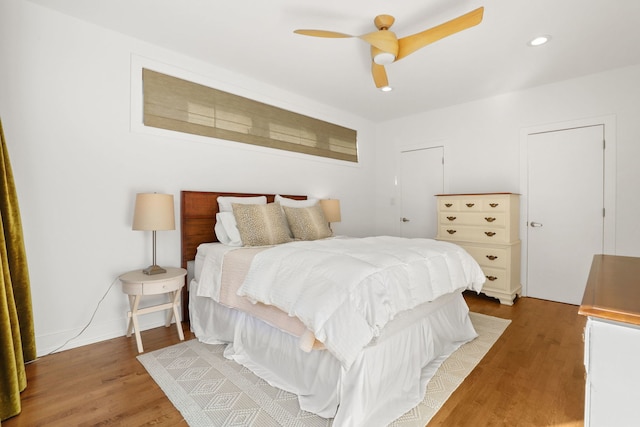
(611, 355)
(487, 226)
(612, 341)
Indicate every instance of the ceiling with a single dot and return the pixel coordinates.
(255, 38)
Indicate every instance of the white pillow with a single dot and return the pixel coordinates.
(224, 202)
(226, 229)
(293, 203)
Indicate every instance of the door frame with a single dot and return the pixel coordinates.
(439, 143)
(609, 226)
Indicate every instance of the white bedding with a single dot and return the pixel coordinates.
(406, 327)
(363, 283)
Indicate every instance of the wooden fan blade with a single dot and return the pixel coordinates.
(384, 40)
(379, 75)
(322, 33)
(408, 45)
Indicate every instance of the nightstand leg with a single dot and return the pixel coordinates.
(169, 315)
(133, 321)
(173, 313)
(130, 323)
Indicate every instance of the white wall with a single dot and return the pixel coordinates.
(65, 103)
(482, 142)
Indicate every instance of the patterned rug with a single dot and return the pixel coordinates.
(210, 390)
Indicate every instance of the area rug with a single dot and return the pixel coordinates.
(210, 390)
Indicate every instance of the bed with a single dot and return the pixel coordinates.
(366, 359)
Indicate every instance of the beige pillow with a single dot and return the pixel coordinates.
(261, 225)
(308, 223)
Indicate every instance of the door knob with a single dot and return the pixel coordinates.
(535, 224)
(403, 219)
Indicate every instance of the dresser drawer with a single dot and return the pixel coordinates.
(461, 204)
(465, 218)
(492, 257)
(473, 234)
(496, 204)
(497, 278)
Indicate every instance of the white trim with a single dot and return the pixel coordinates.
(610, 174)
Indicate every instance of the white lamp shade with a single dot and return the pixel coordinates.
(331, 208)
(154, 211)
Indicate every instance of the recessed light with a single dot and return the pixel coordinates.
(386, 88)
(539, 40)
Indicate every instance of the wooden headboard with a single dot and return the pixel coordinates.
(198, 211)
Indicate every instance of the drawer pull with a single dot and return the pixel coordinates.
(470, 205)
(490, 233)
(492, 278)
(448, 204)
(451, 231)
(451, 218)
(494, 205)
(489, 219)
(492, 257)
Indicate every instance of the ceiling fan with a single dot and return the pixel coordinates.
(386, 48)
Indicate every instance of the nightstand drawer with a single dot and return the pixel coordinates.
(152, 288)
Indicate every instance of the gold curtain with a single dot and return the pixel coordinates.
(17, 338)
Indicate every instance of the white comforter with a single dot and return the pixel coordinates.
(346, 290)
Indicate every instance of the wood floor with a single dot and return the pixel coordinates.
(533, 376)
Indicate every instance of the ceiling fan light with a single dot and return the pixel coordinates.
(539, 40)
(386, 88)
(384, 58)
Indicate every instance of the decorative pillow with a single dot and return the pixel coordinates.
(293, 203)
(308, 223)
(227, 230)
(261, 225)
(225, 202)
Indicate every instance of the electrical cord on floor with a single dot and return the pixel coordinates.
(88, 323)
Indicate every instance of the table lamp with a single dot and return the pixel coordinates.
(331, 209)
(154, 212)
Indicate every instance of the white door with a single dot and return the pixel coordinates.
(565, 221)
(421, 177)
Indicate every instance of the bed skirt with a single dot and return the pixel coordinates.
(388, 378)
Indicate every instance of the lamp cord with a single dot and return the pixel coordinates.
(85, 326)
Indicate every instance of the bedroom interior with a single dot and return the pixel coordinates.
(71, 108)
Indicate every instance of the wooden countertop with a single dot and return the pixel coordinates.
(613, 289)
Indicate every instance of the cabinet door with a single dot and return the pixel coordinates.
(612, 352)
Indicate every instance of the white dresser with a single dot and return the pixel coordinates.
(487, 226)
(611, 303)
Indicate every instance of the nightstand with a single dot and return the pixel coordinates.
(136, 284)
